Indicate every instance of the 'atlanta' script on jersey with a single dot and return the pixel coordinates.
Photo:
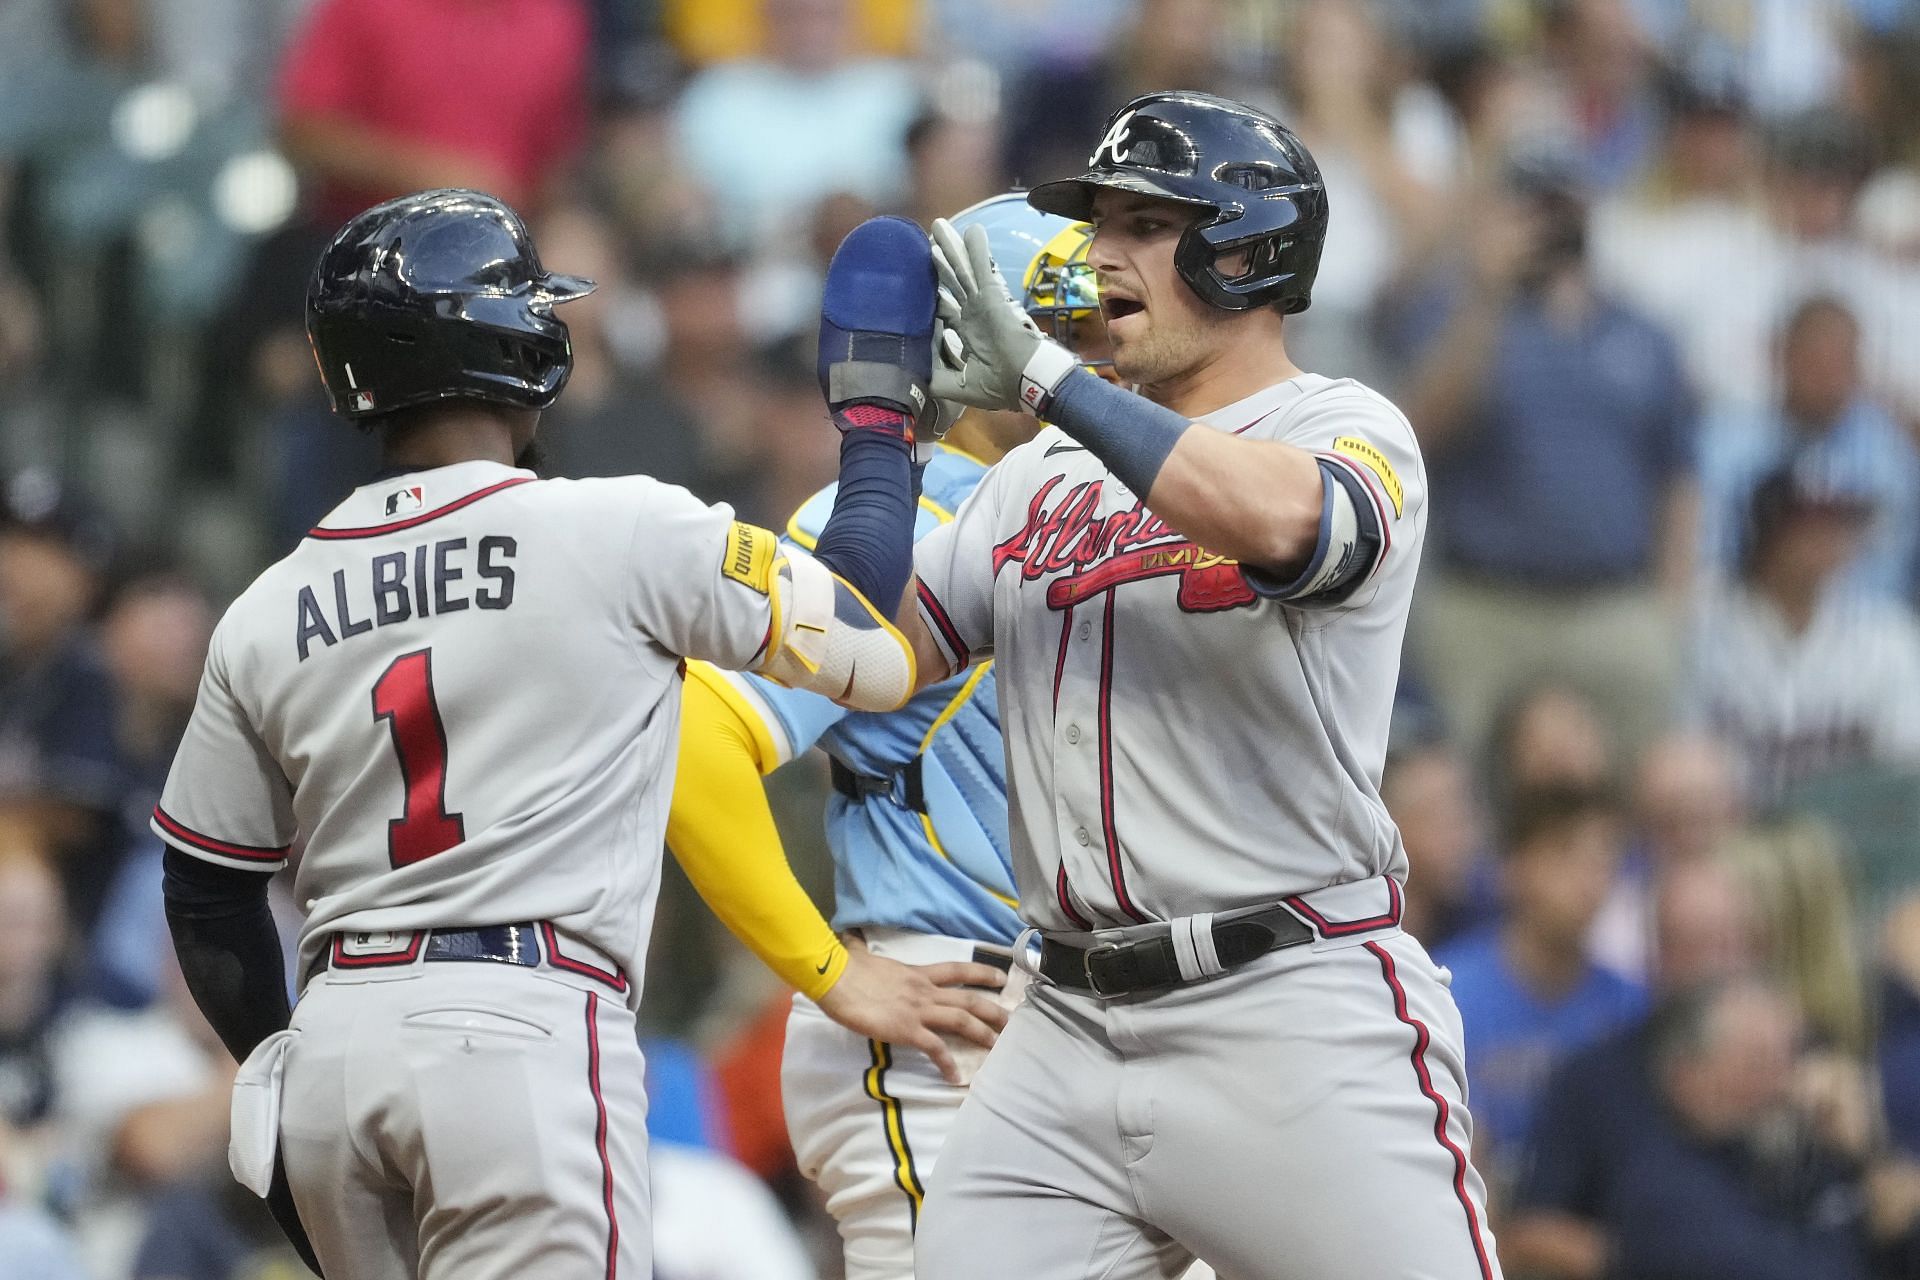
(1104, 551)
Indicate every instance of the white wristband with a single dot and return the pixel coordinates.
(1046, 368)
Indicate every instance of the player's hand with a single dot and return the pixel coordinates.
(949, 357)
(906, 1004)
(876, 329)
(1005, 362)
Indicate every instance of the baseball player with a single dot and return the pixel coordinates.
(1194, 598)
(918, 832)
(460, 694)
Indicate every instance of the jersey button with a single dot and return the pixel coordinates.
(1082, 837)
(1073, 733)
(1086, 629)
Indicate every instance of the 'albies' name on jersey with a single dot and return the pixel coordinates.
(427, 580)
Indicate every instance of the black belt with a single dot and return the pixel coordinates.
(860, 786)
(1151, 964)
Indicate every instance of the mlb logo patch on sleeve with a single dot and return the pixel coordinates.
(402, 501)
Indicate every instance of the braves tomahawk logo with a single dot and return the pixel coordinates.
(1098, 553)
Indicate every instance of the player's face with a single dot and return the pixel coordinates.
(1159, 327)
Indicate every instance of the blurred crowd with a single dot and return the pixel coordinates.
(1644, 274)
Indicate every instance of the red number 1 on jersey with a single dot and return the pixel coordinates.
(403, 697)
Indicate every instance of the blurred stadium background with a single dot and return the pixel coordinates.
(1645, 275)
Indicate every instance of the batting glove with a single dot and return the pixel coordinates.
(876, 329)
(1005, 361)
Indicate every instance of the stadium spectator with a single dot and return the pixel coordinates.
(1557, 429)
(769, 136)
(1799, 877)
(1687, 804)
(1599, 63)
(1603, 1099)
(154, 637)
(1387, 145)
(1759, 1161)
(1822, 413)
(209, 1227)
(1527, 992)
(1899, 1047)
(1800, 676)
(58, 758)
(1428, 790)
(502, 112)
(953, 149)
(713, 1218)
(618, 416)
(33, 997)
(32, 1245)
(1548, 735)
(143, 1104)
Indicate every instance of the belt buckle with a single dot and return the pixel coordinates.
(1087, 958)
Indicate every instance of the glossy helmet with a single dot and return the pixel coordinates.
(1043, 258)
(434, 296)
(1257, 187)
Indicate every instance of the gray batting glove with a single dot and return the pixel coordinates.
(1004, 362)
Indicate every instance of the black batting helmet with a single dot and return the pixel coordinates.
(434, 296)
(1259, 188)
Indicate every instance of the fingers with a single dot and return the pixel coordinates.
(946, 306)
(962, 973)
(949, 283)
(935, 1048)
(950, 349)
(979, 254)
(978, 1004)
(961, 1023)
(951, 252)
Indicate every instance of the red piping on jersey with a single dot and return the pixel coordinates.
(1107, 825)
(225, 848)
(1421, 1039)
(1060, 663)
(411, 952)
(1379, 504)
(600, 1133)
(944, 625)
(1262, 418)
(375, 530)
(1066, 904)
(1345, 928)
(617, 981)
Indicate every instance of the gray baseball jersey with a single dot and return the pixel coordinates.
(1179, 741)
(463, 691)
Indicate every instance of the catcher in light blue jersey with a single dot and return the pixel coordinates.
(917, 826)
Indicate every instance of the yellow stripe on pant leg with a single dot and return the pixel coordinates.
(905, 1176)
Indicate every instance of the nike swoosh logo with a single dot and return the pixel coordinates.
(1063, 448)
(821, 968)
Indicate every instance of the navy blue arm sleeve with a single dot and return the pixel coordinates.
(229, 949)
(868, 538)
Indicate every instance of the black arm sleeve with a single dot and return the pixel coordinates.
(229, 949)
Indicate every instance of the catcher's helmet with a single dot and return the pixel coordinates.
(434, 296)
(1259, 188)
(1043, 258)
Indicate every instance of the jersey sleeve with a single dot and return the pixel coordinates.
(701, 580)
(1375, 495)
(721, 832)
(954, 567)
(225, 799)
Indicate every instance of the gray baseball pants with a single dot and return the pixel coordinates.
(1300, 1118)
